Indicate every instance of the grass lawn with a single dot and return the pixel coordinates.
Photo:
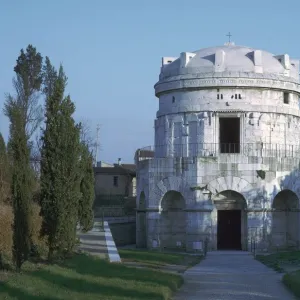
(86, 277)
(292, 281)
(155, 259)
(282, 262)
(278, 261)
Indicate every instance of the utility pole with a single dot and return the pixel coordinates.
(97, 145)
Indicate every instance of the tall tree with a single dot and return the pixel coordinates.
(27, 84)
(87, 189)
(60, 170)
(49, 78)
(71, 172)
(21, 181)
(25, 115)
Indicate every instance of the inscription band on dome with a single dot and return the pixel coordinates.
(237, 82)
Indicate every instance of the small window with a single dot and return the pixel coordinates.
(169, 61)
(116, 181)
(286, 98)
(217, 96)
(240, 97)
(235, 96)
(218, 90)
(221, 96)
(173, 99)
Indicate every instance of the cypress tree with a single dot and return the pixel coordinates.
(70, 173)
(87, 190)
(21, 182)
(50, 163)
(60, 171)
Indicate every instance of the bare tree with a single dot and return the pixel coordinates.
(86, 135)
(27, 85)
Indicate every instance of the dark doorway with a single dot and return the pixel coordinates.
(229, 230)
(230, 135)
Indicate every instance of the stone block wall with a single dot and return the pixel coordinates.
(123, 233)
(199, 180)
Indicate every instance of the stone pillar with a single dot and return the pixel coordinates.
(185, 146)
(199, 223)
(198, 229)
(255, 228)
(153, 229)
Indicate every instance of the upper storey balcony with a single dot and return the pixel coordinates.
(193, 150)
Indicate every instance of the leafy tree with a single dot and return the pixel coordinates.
(60, 170)
(27, 84)
(21, 181)
(85, 208)
(25, 115)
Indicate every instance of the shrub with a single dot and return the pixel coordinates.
(6, 232)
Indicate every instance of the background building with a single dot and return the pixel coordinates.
(226, 155)
(115, 188)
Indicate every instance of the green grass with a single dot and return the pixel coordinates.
(292, 281)
(277, 261)
(159, 259)
(86, 277)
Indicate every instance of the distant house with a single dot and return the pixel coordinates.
(114, 183)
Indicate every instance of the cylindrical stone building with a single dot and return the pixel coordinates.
(225, 166)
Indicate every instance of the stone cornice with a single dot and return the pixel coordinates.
(246, 109)
(199, 209)
(182, 82)
(271, 210)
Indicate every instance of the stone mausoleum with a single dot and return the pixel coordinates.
(225, 164)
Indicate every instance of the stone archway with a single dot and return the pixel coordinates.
(172, 221)
(141, 229)
(230, 221)
(285, 220)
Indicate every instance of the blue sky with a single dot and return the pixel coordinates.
(111, 51)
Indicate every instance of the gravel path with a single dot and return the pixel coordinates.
(232, 275)
(93, 241)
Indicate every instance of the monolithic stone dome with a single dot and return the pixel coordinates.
(230, 58)
(227, 62)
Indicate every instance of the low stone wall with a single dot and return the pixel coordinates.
(123, 233)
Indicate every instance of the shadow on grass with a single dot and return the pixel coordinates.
(292, 281)
(84, 286)
(87, 265)
(19, 294)
(278, 260)
(154, 256)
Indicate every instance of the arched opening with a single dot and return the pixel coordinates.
(172, 221)
(141, 229)
(285, 227)
(231, 221)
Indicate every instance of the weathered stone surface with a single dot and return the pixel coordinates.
(259, 176)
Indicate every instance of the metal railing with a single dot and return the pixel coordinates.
(216, 149)
(253, 246)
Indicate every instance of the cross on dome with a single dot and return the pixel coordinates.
(229, 43)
